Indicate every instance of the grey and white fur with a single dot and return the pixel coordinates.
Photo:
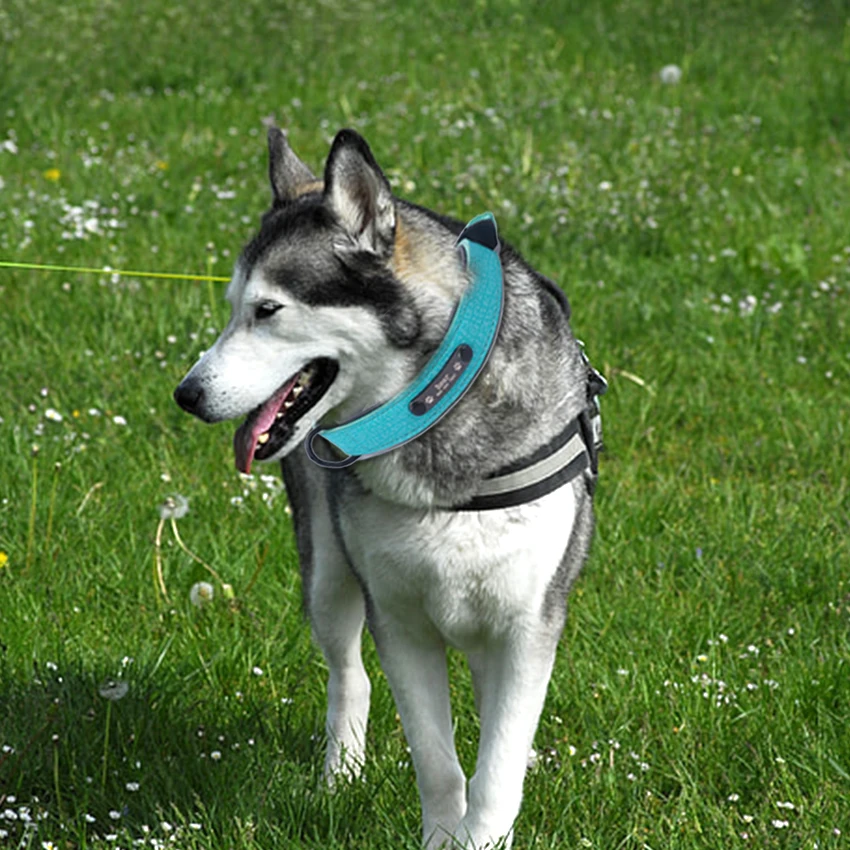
(337, 303)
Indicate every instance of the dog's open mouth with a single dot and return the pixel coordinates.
(268, 427)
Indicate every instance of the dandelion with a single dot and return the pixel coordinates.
(113, 689)
(201, 593)
(174, 507)
(670, 75)
(4, 559)
(52, 174)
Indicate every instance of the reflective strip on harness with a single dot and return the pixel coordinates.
(570, 456)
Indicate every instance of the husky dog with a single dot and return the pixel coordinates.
(337, 302)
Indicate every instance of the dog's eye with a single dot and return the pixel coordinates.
(265, 309)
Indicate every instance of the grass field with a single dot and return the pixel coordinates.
(702, 693)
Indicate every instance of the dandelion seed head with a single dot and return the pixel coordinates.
(113, 689)
(201, 593)
(174, 507)
(670, 75)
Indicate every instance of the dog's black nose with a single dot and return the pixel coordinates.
(189, 395)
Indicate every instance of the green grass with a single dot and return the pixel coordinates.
(700, 231)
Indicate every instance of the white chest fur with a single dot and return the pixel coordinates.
(470, 575)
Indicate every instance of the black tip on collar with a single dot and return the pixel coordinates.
(483, 232)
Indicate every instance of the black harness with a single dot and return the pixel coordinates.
(553, 465)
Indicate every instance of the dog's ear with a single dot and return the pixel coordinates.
(359, 194)
(287, 173)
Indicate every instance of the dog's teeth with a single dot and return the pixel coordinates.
(297, 390)
(263, 438)
(278, 415)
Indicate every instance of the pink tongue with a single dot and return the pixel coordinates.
(245, 438)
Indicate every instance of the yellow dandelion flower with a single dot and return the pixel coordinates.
(162, 165)
(4, 559)
(52, 174)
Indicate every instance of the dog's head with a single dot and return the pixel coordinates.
(318, 316)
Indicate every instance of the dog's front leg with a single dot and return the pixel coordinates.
(415, 665)
(337, 613)
(510, 681)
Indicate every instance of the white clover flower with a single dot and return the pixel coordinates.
(174, 507)
(670, 75)
(113, 689)
(53, 415)
(201, 593)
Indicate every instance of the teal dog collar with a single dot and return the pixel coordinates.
(449, 373)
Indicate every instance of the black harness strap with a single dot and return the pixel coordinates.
(557, 463)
